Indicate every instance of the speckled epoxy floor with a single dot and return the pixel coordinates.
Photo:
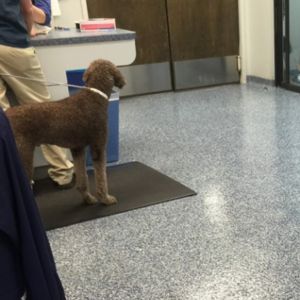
(239, 238)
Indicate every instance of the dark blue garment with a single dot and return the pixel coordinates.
(45, 6)
(26, 261)
(13, 31)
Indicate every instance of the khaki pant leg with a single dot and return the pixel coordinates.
(24, 62)
(62, 173)
(3, 99)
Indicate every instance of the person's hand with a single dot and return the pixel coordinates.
(33, 32)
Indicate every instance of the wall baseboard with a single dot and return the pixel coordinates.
(260, 80)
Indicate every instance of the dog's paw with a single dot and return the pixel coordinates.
(109, 200)
(89, 199)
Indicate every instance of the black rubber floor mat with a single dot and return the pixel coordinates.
(134, 184)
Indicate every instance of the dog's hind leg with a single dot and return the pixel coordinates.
(99, 163)
(81, 175)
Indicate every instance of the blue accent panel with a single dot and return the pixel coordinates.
(112, 148)
(75, 77)
(113, 131)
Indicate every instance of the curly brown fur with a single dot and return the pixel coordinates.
(74, 122)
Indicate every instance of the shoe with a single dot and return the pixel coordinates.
(65, 186)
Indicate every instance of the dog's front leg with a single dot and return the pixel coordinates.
(81, 175)
(99, 163)
(26, 150)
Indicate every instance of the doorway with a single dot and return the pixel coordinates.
(204, 42)
(287, 44)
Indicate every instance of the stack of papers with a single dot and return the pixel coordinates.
(96, 24)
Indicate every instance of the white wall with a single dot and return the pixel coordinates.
(257, 38)
(71, 11)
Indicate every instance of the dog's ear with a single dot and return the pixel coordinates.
(119, 80)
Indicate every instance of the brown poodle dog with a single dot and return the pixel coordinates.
(74, 122)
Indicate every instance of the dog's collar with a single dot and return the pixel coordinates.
(56, 83)
(98, 92)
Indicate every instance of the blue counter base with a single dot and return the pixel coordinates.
(112, 150)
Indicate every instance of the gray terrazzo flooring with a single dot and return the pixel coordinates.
(238, 146)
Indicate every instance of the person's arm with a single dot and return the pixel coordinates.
(27, 11)
(42, 12)
(39, 15)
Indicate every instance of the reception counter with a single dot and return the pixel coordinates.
(65, 50)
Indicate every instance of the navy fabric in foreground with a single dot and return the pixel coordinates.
(26, 261)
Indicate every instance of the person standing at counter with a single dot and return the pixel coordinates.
(18, 58)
